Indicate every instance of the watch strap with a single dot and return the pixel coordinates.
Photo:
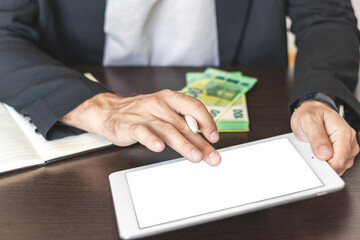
(322, 97)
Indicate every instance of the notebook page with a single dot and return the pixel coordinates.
(61, 147)
(15, 149)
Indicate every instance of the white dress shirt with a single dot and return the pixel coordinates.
(161, 33)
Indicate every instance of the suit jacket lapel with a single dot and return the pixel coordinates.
(231, 16)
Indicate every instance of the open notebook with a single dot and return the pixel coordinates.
(21, 146)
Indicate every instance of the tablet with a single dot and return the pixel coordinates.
(177, 193)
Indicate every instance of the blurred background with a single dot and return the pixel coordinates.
(291, 39)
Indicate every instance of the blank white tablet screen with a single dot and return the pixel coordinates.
(183, 189)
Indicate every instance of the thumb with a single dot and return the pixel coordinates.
(319, 140)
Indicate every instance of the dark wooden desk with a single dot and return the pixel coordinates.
(71, 199)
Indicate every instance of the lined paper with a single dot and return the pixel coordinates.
(21, 146)
(48, 150)
(16, 150)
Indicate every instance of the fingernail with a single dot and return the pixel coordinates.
(324, 150)
(214, 158)
(158, 146)
(214, 137)
(196, 155)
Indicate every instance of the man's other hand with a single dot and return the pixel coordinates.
(330, 136)
(151, 120)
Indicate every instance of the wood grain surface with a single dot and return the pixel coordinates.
(71, 199)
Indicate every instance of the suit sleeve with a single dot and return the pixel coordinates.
(31, 81)
(328, 52)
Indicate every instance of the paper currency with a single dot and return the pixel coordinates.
(236, 118)
(194, 76)
(228, 108)
(244, 81)
(215, 94)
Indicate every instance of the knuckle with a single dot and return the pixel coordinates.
(141, 133)
(167, 129)
(152, 100)
(350, 164)
(183, 127)
(341, 167)
(197, 104)
(353, 135)
(204, 145)
(118, 136)
(167, 92)
(137, 129)
(297, 128)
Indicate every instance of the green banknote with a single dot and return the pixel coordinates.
(233, 117)
(194, 76)
(216, 95)
(245, 82)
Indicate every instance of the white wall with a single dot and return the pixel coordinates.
(356, 5)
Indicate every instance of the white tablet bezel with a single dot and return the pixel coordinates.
(125, 211)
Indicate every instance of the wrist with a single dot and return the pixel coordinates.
(88, 115)
(327, 99)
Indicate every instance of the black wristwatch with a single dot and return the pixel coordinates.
(325, 98)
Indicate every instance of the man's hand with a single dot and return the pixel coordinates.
(150, 120)
(330, 136)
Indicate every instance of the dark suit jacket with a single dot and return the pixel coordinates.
(39, 37)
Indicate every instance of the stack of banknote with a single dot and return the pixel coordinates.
(223, 93)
